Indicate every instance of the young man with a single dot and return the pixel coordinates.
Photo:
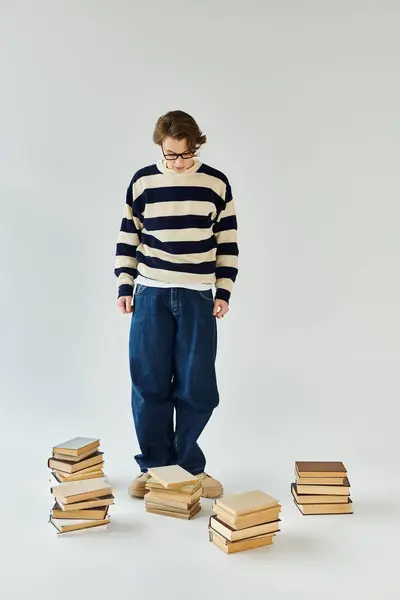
(177, 240)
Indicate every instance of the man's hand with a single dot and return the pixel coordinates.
(221, 308)
(124, 304)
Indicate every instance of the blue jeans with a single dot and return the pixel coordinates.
(172, 351)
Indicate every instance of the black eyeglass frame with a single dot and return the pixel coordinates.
(174, 156)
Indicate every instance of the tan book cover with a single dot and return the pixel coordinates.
(73, 476)
(65, 525)
(317, 499)
(326, 509)
(165, 501)
(246, 503)
(71, 467)
(77, 491)
(241, 545)
(319, 480)
(320, 469)
(171, 495)
(237, 523)
(92, 475)
(173, 476)
(92, 514)
(184, 511)
(74, 459)
(325, 490)
(93, 503)
(167, 513)
(77, 446)
(152, 484)
(250, 532)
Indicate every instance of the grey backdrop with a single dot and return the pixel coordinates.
(300, 101)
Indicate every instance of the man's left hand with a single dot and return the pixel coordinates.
(221, 308)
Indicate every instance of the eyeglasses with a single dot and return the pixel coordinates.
(184, 155)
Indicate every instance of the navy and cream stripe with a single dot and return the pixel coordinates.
(178, 228)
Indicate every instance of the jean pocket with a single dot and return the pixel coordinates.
(139, 289)
(208, 295)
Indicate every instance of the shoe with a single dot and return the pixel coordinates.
(137, 489)
(211, 487)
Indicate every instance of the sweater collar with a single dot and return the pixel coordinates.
(162, 167)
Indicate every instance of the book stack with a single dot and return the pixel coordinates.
(82, 496)
(76, 459)
(173, 492)
(322, 488)
(244, 521)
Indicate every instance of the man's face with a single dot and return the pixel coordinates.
(177, 154)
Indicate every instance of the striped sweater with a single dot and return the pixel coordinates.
(178, 228)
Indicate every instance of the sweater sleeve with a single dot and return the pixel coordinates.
(127, 243)
(225, 231)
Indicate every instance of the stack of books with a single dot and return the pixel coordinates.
(76, 459)
(81, 505)
(173, 492)
(322, 488)
(77, 482)
(244, 521)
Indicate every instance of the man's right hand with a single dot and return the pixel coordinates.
(124, 304)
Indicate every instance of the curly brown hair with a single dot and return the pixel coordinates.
(179, 125)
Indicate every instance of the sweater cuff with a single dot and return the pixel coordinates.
(125, 290)
(222, 294)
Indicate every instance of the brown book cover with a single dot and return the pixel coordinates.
(317, 499)
(246, 503)
(77, 446)
(324, 490)
(237, 523)
(326, 509)
(172, 476)
(250, 532)
(320, 469)
(92, 514)
(71, 467)
(239, 546)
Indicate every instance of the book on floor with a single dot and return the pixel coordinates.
(77, 491)
(93, 514)
(169, 513)
(317, 498)
(67, 466)
(172, 476)
(246, 503)
(184, 511)
(77, 446)
(329, 490)
(66, 525)
(250, 532)
(320, 469)
(240, 545)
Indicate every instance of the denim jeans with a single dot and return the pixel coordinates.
(172, 351)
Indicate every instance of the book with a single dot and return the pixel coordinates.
(75, 459)
(77, 491)
(320, 480)
(93, 514)
(250, 532)
(320, 469)
(317, 499)
(153, 484)
(93, 503)
(184, 511)
(172, 476)
(326, 509)
(56, 478)
(72, 476)
(150, 497)
(258, 518)
(329, 490)
(168, 513)
(246, 503)
(76, 446)
(70, 467)
(65, 525)
(175, 496)
(239, 546)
